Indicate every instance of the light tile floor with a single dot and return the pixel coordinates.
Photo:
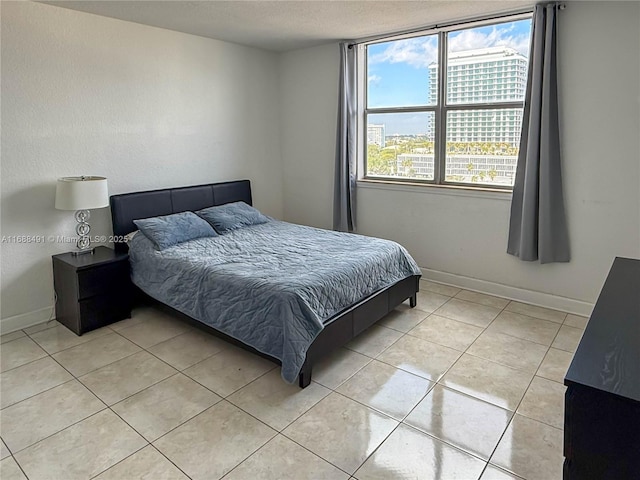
(466, 386)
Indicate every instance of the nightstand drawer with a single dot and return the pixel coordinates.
(102, 279)
(102, 310)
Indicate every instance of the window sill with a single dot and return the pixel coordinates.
(453, 190)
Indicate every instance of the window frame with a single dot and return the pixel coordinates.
(440, 109)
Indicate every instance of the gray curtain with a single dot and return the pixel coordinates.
(344, 198)
(538, 227)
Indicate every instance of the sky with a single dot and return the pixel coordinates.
(398, 71)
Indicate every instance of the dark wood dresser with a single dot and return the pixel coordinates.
(602, 401)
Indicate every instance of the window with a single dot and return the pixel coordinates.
(446, 107)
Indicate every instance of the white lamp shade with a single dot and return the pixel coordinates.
(81, 193)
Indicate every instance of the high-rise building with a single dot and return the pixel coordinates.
(485, 75)
(375, 135)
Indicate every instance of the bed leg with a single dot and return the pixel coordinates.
(304, 378)
(413, 300)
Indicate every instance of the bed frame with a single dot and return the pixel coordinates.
(338, 330)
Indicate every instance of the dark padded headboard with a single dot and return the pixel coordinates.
(127, 207)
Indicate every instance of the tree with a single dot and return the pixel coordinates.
(384, 161)
(380, 161)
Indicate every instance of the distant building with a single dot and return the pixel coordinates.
(375, 135)
(415, 165)
(489, 169)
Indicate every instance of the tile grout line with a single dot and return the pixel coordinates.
(451, 366)
(484, 329)
(43, 391)
(30, 335)
(202, 412)
(149, 443)
(532, 379)
(73, 377)
(514, 411)
(520, 403)
(368, 456)
(120, 461)
(506, 334)
(169, 460)
(354, 373)
(62, 430)
(412, 427)
(291, 440)
(20, 467)
(402, 422)
(290, 423)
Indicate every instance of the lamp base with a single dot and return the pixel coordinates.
(82, 229)
(83, 252)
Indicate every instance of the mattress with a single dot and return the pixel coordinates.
(272, 286)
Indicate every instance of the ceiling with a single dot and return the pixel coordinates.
(288, 25)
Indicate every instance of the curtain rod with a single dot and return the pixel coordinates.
(494, 16)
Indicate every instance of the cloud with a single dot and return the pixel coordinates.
(421, 51)
(497, 37)
(417, 52)
(374, 79)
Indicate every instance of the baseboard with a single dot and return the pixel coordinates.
(24, 320)
(546, 300)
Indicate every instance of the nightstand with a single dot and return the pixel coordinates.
(92, 290)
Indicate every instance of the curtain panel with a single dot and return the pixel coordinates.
(344, 198)
(538, 227)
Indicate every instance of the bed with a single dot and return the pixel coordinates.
(290, 293)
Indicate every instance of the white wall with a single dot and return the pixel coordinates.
(462, 239)
(308, 116)
(145, 107)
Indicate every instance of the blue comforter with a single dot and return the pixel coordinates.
(271, 286)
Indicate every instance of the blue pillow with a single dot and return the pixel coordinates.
(231, 216)
(173, 229)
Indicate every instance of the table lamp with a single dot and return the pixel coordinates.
(82, 194)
